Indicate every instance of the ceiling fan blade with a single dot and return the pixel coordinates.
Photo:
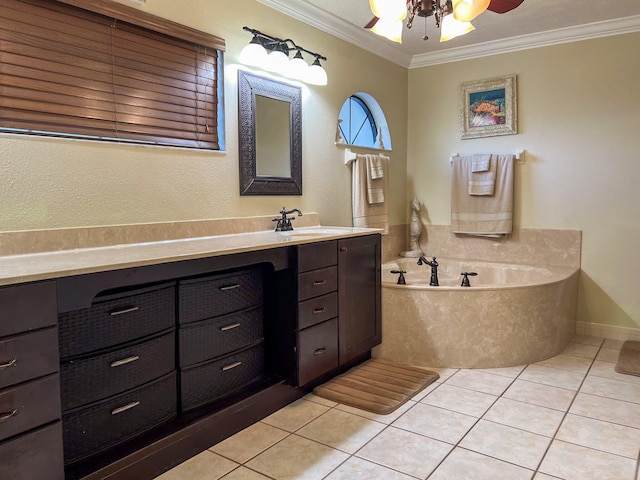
(503, 6)
(373, 21)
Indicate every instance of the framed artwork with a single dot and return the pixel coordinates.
(488, 107)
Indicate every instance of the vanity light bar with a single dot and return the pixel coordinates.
(272, 54)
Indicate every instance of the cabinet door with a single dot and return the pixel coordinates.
(360, 326)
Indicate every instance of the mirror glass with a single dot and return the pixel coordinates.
(270, 136)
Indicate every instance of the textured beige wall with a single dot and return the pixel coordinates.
(579, 120)
(48, 183)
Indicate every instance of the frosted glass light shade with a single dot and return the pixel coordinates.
(467, 10)
(392, 10)
(316, 75)
(389, 29)
(298, 68)
(253, 54)
(277, 61)
(452, 28)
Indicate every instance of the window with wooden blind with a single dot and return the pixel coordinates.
(107, 72)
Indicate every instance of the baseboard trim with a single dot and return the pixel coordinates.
(607, 331)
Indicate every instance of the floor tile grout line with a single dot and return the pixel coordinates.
(566, 413)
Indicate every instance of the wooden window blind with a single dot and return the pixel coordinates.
(104, 75)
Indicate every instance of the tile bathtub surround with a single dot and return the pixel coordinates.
(52, 240)
(570, 417)
(525, 245)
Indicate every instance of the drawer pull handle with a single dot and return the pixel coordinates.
(124, 361)
(231, 365)
(8, 415)
(11, 363)
(229, 287)
(319, 282)
(319, 351)
(229, 327)
(125, 408)
(124, 310)
(319, 310)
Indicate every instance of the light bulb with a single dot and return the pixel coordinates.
(277, 61)
(316, 74)
(297, 67)
(389, 9)
(254, 54)
(467, 10)
(452, 28)
(391, 30)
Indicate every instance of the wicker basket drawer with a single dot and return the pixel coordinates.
(27, 356)
(97, 427)
(27, 307)
(91, 379)
(317, 350)
(312, 256)
(34, 456)
(209, 297)
(317, 310)
(212, 338)
(207, 382)
(29, 405)
(117, 319)
(317, 282)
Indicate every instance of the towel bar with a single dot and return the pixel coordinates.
(518, 156)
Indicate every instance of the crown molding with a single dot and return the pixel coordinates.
(326, 22)
(524, 42)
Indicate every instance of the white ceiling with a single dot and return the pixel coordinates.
(533, 23)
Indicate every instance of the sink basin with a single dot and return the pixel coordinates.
(315, 232)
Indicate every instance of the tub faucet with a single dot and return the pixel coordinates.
(434, 269)
(284, 222)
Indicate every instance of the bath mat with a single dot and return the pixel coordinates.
(377, 385)
(629, 358)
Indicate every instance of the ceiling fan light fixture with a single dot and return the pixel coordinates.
(452, 28)
(391, 29)
(467, 10)
(390, 10)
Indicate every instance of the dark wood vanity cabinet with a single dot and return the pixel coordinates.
(124, 374)
(30, 427)
(339, 304)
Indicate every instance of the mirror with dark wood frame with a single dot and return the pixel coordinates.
(269, 136)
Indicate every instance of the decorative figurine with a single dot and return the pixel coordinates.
(415, 228)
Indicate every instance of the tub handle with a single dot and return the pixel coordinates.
(401, 279)
(465, 278)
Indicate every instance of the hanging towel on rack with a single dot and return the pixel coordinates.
(366, 213)
(482, 177)
(484, 215)
(375, 178)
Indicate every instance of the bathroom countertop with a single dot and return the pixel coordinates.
(30, 267)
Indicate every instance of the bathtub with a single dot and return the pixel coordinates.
(511, 314)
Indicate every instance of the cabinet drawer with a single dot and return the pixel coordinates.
(317, 350)
(97, 427)
(209, 297)
(208, 339)
(317, 310)
(312, 256)
(34, 456)
(27, 307)
(117, 319)
(91, 379)
(317, 282)
(29, 405)
(211, 381)
(27, 356)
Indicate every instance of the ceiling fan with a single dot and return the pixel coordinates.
(388, 15)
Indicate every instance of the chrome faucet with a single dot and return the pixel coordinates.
(434, 269)
(284, 222)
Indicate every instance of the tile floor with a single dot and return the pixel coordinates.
(569, 417)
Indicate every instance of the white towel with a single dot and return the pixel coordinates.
(365, 213)
(482, 175)
(484, 215)
(375, 178)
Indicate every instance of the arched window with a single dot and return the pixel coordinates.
(362, 123)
